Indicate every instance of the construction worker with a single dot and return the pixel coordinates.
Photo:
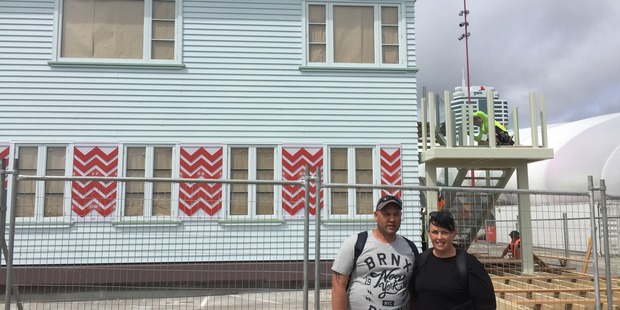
(514, 247)
(501, 134)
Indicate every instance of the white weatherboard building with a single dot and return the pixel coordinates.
(203, 89)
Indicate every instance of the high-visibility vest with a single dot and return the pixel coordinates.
(513, 248)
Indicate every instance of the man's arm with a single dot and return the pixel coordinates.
(339, 291)
(505, 252)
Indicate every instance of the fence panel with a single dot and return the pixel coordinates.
(149, 243)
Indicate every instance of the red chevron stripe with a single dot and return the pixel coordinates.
(390, 179)
(4, 153)
(91, 195)
(94, 152)
(391, 167)
(294, 161)
(390, 156)
(201, 152)
(395, 192)
(200, 164)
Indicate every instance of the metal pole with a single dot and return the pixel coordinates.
(603, 189)
(565, 224)
(9, 256)
(597, 289)
(317, 241)
(306, 236)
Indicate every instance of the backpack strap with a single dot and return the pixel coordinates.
(357, 251)
(414, 248)
(359, 246)
(461, 264)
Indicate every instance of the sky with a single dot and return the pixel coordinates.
(567, 50)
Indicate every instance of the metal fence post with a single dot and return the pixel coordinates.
(306, 236)
(565, 224)
(597, 289)
(609, 291)
(317, 241)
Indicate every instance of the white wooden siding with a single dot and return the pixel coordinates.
(241, 83)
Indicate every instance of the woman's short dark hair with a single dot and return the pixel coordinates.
(443, 219)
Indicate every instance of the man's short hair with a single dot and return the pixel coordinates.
(514, 233)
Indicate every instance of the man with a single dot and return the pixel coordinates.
(379, 278)
(514, 247)
(501, 134)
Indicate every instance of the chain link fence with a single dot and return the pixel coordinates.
(59, 252)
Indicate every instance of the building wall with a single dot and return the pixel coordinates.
(243, 83)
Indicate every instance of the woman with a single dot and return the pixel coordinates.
(439, 284)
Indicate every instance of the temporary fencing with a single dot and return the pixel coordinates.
(147, 253)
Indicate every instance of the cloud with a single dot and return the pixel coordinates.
(568, 51)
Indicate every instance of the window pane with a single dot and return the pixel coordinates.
(265, 171)
(239, 171)
(103, 29)
(317, 53)
(363, 175)
(24, 206)
(316, 14)
(163, 9)
(389, 35)
(162, 191)
(390, 54)
(316, 33)
(134, 191)
(54, 190)
(163, 30)
(354, 33)
(162, 50)
(389, 15)
(339, 174)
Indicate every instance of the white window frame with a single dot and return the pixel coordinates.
(147, 41)
(329, 61)
(351, 197)
(252, 169)
(39, 194)
(148, 186)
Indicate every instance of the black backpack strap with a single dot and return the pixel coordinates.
(357, 251)
(414, 248)
(461, 264)
(421, 260)
(359, 246)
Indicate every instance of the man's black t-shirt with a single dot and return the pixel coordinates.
(439, 285)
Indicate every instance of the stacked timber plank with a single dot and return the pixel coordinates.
(548, 287)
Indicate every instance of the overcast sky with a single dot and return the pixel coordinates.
(569, 50)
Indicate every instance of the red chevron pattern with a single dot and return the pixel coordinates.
(4, 153)
(201, 163)
(294, 160)
(90, 195)
(391, 169)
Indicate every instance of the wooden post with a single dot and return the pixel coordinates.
(587, 258)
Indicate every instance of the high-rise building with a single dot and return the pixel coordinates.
(478, 99)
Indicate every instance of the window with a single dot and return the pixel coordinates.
(133, 30)
(252, 163)
(354, 34)
(41, 199)
(351, 165)
(146, 198)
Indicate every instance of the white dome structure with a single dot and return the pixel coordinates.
(588, 147)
